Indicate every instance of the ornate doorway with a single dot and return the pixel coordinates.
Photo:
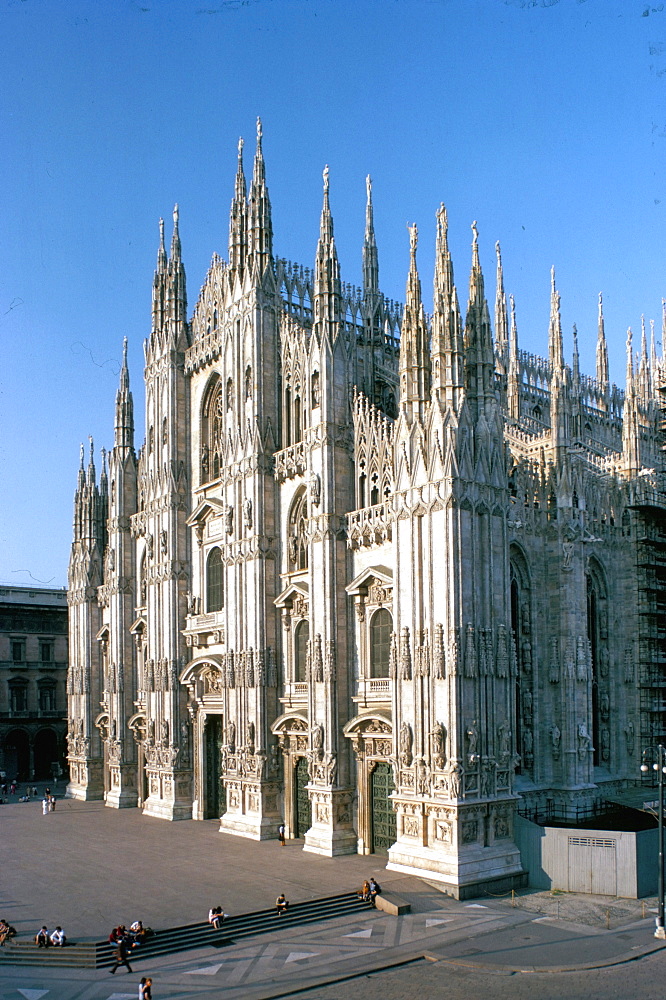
(302, 799)
(215, 799)
(383, 818)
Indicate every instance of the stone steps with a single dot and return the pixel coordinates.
(99, 954)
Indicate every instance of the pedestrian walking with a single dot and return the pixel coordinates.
(148, 989)
(52, 803)
(281, 834)
(120, 955)
(45, 806)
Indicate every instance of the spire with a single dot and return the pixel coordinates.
(370, 259)
(576, 357)
(630, 363)
(161, 253)
(91, 476)
(479, 351)
(103, 477)
(644, 382)
(602, 351)
(238, 218)
(555, 346)
(630, 434)
(501, 319)
(81, 481)
(414, 354)
(447, 338)
(653, 353)
(513, 338)
(124, 427)
(176, 294)
(513, 386)
(175, 239)
(327, 288)
(260, 226)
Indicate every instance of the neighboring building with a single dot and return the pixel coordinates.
(374, 573)
(33, 676)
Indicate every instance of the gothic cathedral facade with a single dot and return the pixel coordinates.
(382, 576)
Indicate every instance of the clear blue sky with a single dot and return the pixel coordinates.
(543, 120)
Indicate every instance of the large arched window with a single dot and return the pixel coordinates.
(381, 627)
(521, 625)
(301, 639)
(597, 634)
(214, 589)
(298, 543)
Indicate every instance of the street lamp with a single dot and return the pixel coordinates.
(657, 756)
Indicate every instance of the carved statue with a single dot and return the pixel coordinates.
(247, 512)
(555, 737)
(584, 740)
(315, 489)
(472, 734)
(438, 744)
(504, 739)
(231, 736)
(405, 744)
(317, 739)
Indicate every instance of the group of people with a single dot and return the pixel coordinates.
(369, 891)
(126, 941)
(57, 938)
(6, 931)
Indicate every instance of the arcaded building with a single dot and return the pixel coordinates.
(33, 677)
(378, 574)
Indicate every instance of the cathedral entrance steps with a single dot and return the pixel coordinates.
(99, 954)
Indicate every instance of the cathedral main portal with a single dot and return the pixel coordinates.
(303, 808)
(215, 801)
(383, 817)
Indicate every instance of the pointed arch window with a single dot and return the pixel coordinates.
(301, 640)
(381, 627)
(214, 588)
(298, 543)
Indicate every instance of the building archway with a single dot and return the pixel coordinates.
(46, 755)
(17, 755)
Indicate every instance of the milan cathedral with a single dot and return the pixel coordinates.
(382, 576)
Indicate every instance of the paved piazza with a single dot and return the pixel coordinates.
(88, 868)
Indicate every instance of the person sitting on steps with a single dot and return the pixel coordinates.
(281, 904)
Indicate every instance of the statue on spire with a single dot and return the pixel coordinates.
(413, 239)
(325, 176)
